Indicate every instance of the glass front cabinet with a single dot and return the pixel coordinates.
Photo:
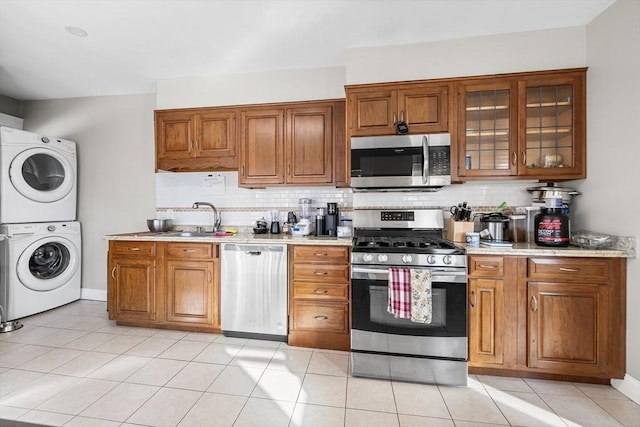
(525, 125)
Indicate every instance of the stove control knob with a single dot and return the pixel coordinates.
(383, 258)
(367, 257)
(431, 259)
(447, 259)
(407, 259)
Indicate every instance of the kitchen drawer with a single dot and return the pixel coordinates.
(320, 291)
(486, 266)
(320, 317)
(181, 250)
(569, 269)
(321, 254)
(131, 248)
(338, 274)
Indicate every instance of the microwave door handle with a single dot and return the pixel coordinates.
(425, 157)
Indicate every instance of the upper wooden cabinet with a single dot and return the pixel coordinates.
(374, 109)
(529, 125)
(301, 143)
(261, 147)
(196, 139)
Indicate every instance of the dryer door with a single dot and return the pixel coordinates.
(42, 175)
(48, 263)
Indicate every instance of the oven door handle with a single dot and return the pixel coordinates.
(438, 274)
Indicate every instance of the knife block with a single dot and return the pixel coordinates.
(457, 231)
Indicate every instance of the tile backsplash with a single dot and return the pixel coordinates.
(176, 193)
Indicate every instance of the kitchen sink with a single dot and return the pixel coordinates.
(190, 234)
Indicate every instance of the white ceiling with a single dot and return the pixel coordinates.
(133, 43)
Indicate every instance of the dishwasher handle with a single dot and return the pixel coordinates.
(253, 248)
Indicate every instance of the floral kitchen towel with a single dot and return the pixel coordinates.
(420, 295)
(399, 300)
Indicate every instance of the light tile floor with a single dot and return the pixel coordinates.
(72, 366)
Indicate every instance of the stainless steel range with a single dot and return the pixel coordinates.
(383, 346)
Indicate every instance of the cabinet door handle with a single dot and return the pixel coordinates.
(514, 158)
(209, 275)
(402, 116)
(243, 170)
(321, 317)
(134, 249)
(113, 272)
(488, 267)
(569, 270)
(524, 157)
(472, 300)
(395, 118)
(320, 273)
(289, 170)
(534, 303)
(321, 291)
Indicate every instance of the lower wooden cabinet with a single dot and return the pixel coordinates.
(319, 297)
(165, 284)
(555, 317)
(132, 281)
(486, 321)
(192, 287)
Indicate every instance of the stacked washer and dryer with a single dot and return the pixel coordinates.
(40, 255)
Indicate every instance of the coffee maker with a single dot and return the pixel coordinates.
(331, 220)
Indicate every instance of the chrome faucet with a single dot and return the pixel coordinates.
(217, 219)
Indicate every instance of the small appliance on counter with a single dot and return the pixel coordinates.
(260, 227)
(304, 226)
(275, 222)
(332, 219)
(497, 226)
(327, 220)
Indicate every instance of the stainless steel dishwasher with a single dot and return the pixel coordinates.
(254, 297)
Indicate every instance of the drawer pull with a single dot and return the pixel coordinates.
(134, 249)
(188, 251)
(320, 317)
(488, 267)
(569, 270)
(321, 291)
(534, 303)
(113, 272)
(321, 254)
(320, 273)
(473, 299)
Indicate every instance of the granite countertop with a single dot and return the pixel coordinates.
(527, 249)
(241, 237)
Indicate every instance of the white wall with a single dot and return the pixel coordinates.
(114, 137)
(252, 88)
(504, 53)
(613, 150)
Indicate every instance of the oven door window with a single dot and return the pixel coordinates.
(381, 162)
(449, 310)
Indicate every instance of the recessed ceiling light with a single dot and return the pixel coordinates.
(76, 31)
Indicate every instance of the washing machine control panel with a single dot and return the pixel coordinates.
(16, 230)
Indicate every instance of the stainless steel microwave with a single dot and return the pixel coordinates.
(403, 162)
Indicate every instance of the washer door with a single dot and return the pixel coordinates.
(41, 175)
(48, 263)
